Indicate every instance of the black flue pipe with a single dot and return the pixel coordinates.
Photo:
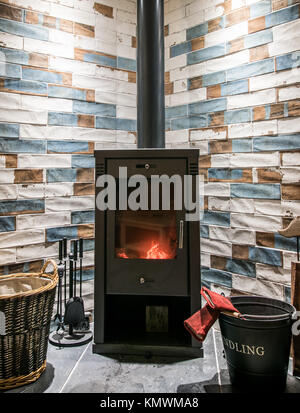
(150, 74)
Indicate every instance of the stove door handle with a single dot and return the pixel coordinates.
(180, 243)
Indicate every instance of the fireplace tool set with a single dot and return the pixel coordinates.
(73, 327)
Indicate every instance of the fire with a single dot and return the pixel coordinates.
(122, 254)
(156, 253)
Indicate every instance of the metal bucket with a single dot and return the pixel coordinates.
(257, 346)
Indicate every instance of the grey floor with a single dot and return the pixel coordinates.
(78, 370)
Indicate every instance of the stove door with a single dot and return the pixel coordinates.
(147, 249)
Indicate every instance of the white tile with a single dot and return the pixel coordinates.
(213, 12)
(73, 66)
(241, 204)
(270, 80)
(58, 189)
(177, 136)
(79, 16)
(31, 191)
(41, 102)
(49, 48)
(291, 158)
(46, 161)
(257, 287)
(36, 5)
(126, 112)
(174, 15)
(268, 207)
(289, 125)
(227, 62)
(8, 255)
(273, 274)
(268, 127)
(286, 31)
(175, 38)
(223, 35)
(216, 247)
(59, 36)
(30, 252)
(69, 203)
(19, 238)
(7, 177)
(43, 220)
(184, 98)
(10, 40)
(8, 191)
(251, 99)
(217, 189)
(9, 100)
(180, 86)
(291, 175)
(220, 160)
(280, 47)
(218, 204)
(175, 62)
(254, 159)
(255, 222)
(23, 116)
(289, 93)
(207, 134)
(86, 82)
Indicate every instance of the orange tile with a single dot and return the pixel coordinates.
(132, 77)
(49, 21)
(86, 231)
(220, 147)
(290, 191)
(66, 25)
(277, 111)
(214, 24)
(197, 43)
(85, 175)
(240, 252)
(237, 16)
(86, 121)
(38, 60)
(265, 239)
(169, 88)
(31, 17)
(218, 262)
(259, 53)
(216, 119)
(28, 176)
(84, 30)
(10, 13)
(204, 161)
(195, 83)
(11, 161)
(166, 30)
(106, 11)
(236, 45)
(257, 24)
(294, 108)
(266, 175)
(133, 41)
(90, 95)
(214, 92)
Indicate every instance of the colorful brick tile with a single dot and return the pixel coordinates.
(214, 78)
(181, 48)
(204, 231)
(62, 119)
(24, 206)
(291, 191)
(276, 143)
(84, 189)
(258, 38)
(282, 16)
(56, 234)
(234, 88)
(257, 191)
(265, 256)
(242, 145)
(24, 86)
(216, 218)
(10, 13)
(84, 30)
(67, 92)
(206, 54)
(176, 111)
(126, 64)
(216, 276)
(197, 31)
(102, 109)
(15, 56)
(104, 122)
(189, 122)
(25, 30)
(237, 116)
(288, 61)
(46, 76)
(82, 217)
(260, 9)
(69, 147)
(251, 69)
(10, 70)
(81, 161)
(9, 130)
(28, 176)
(7, 224)
(8, 145)
(208, 106)
(61, 175)
(106, 11)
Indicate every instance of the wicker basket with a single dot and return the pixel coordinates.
(27, 316)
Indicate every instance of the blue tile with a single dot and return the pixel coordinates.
(15, 56)
(276, 143)
(216, 218)
(62, 119)
(176, 111)
(206, 54)
(283, 243)
(241, 267)
(265, 256)
(66, 93)
(237, 116)
(258, 38)
(88, 245)
(259, 191)
(204, 231)
(83, 161)
(282, 16)
(88, 274)
(100, 59)
(126, 64)
(41, 75)
(251, 69)
(24, 30)
(7, 224)
(234, 88)
(181, 48)
(9, 130)
(242, 145)
(27, 86)
(10, 70)
(225, 174)
(126, 124)
(82, 217)
(197, 31)
(288, 61)
(102, 109)
(23, 205)
(22, 146)
(287, 294)
(214, 78)
(214, 105)
(260, 9)
(216, 276)
(167, 124)
(61, 175)
(189, 122)
(67, 146)
(56, 234)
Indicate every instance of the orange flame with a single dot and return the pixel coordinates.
(156, 253)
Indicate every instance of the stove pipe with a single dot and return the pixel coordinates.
(150, 74)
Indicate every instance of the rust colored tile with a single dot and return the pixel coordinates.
(10, 13)
(28, 176)
(277, 111)
(133, 42)
(218, 262)
(204, 172)
(220, 146)
(267, 175)
(257, 24)
(86, 121)
(166, 30)
(236, 45)
(259, 53)
(237, 16)
(195, 83)
(49, 21)
(291, 191)
(197, 43)
(216, 119)
(227, 6)
(82, 189)
(213, 92)
(132, 77)
(259, 113)
(67, 79)
(106, 11)
(205, 203)
(294, 108)
(167, 77)
(240, 252)
(169, 88)
(11, 161)
(204, 161)
(86, 231)
(85, 175)
(38, 60)
(84, 30)
(265, 239)
(214, 24)
(90, 95)
(32, 17)
(36, 266)
(279, 4)
(66, 25)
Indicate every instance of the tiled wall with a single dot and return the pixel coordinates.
(233, 88)
(67, 85)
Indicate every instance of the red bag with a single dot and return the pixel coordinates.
(199, 324)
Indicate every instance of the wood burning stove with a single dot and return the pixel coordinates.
(147, 262)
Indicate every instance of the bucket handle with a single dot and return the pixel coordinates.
(54, 275)
(257, 317)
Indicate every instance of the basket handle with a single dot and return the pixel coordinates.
(54, 275)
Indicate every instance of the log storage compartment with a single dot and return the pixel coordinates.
(147, 261)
